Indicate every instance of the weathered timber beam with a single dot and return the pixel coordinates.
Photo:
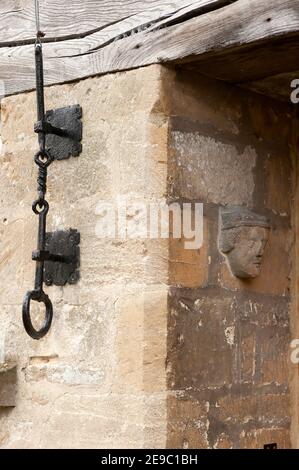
(250, 62)
(187, 35)
(276, 86)
(71, 19)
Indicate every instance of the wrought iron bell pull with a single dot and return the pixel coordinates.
(57, 255)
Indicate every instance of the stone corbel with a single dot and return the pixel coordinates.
(8, 384)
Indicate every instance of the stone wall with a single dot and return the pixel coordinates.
(228, 339)
(97, 379)
(157, 346)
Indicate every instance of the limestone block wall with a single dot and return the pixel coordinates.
(98, 378)
(156, 346)
(229, 339)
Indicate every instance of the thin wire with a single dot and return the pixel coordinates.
(39, 33)
(37, 22)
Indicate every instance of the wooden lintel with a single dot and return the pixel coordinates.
(238, 41)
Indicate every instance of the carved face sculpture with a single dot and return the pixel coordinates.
(243, 239)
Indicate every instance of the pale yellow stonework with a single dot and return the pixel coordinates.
(98, 378)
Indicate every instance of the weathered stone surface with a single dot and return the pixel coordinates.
(218, 108)
(141, 340)
(270, 122)
(274, 356)
(268, 409)
(187, 423)
(232, 336)
(209, 170)
(223, 442)
(200, 352)
(8, 384)
(129, 361)
(98, 378)
(64, 374)
(247, 358)
(11, 253)
(189, 267)
(258, 438)
(230, 339)
(278, 169)
(231, 353)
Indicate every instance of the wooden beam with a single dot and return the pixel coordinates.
(250, 62)
(165, 34)
(65, 19)
(276, 86)
(70, 19)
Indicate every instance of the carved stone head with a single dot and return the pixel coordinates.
(243, 238)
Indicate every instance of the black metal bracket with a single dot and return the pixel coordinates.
(63, 130)
(61, 257)
(270, 446)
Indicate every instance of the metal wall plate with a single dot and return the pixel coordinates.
(68, 120)
(64, 243)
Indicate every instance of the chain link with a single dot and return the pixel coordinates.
(40, 207)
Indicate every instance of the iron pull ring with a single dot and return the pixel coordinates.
(38, 296)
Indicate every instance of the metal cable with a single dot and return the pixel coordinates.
(37, 20)
(39, 33)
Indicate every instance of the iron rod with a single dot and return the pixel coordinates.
(40, 91)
